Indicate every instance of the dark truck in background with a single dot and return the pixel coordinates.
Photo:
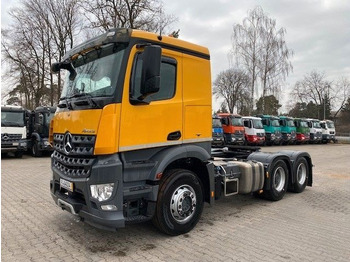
(38, 125)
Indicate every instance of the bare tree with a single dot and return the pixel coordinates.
(342, 91)
(316, 89)
(137, 14)
(313, 88)
(261, 49)
(40, 32)
(274, 63)
(246, 46)
(232, 85)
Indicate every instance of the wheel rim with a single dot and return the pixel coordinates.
(301, 173)
(183, 204)
(279, 179)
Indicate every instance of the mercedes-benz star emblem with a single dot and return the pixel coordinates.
(67, 143)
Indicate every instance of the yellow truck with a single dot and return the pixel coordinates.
(132, 137)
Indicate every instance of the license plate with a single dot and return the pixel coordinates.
(15, 144)
(66, 185)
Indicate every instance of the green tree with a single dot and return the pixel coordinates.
(223, 108)
(268, 105)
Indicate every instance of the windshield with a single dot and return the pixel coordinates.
(12, 118)
(257, 124)
(316, 124)
(274, 122)
(330, 124)
(290, 123)
(97, 73)
(237, 121)
(303, 124)
(216, 123)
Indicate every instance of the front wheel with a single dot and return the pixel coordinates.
(278, 181)
(35, 149)
(180, 202)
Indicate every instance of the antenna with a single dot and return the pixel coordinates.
(160, 37)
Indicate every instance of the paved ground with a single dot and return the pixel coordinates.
(312, 226)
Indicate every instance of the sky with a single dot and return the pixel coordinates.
(318, 31)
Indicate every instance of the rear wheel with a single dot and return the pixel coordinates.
(301, 175)
(278, 181)
(180, 202)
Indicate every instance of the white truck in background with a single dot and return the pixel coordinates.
(254, 130)
(328, 131)
(13, 130)
(315, 130)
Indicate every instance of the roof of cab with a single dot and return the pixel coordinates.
(172, 41)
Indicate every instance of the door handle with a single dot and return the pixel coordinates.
(174, 135)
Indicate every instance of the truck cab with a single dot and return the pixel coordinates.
(303, 130)
(233, 128)
(254, 130)
(328, 131)
(288, 130)
(272, 129)
(315, 130)
(218, 134)
(13, 130)
(38, 127)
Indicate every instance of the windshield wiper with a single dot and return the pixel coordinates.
(67, 104)
(88, 98)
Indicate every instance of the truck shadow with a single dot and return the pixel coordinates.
(144, 236)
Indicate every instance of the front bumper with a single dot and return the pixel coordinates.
(16, 146)
(79, 202)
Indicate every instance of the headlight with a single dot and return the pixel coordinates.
(24, 144)
(46, 143)
(102, 192)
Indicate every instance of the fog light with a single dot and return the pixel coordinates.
(102, 192)
(109, 208)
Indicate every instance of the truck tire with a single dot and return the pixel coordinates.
(180, 202)
(35, 149)
(301, 175)
(278, 181)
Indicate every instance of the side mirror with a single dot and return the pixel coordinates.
(56, 67)
(150, 78)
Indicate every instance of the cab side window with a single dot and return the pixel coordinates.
(167, 79)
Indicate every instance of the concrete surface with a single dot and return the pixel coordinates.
(311, 226)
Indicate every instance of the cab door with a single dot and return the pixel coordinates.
(157, 120)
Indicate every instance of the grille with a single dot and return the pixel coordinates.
(78, 161)
(10, 137)
(239, 134)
